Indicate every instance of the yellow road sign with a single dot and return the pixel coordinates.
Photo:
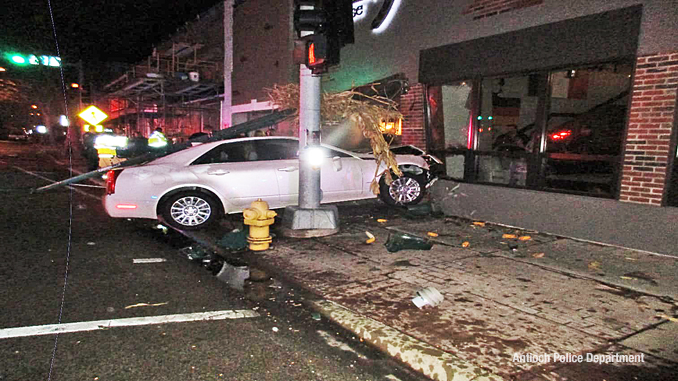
(93, 115)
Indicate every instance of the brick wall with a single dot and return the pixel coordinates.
(412, 108)
(486, 8)
(650, 124)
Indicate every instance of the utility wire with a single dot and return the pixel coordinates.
(70, 193)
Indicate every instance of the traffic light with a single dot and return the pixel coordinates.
(325, 26)
(317, 53)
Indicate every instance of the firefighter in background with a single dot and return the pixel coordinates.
(157, 140)
(106, 145)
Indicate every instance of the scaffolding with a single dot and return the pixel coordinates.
(174, 90)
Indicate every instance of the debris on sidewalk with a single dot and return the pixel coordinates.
(465, 244)
(382, 220)
(595, 265)
(478, 223)
(432, 234)
(370, 237)
(525, 238)
(418, 211)
(538, 255)
(401, 241)
(427, 296)
(234, 240)
(509, 236)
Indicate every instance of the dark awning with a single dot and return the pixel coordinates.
(590, 39)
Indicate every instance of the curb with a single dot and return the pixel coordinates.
(420, 356)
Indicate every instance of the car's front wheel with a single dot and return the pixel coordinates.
(190, 210)
(408, 189)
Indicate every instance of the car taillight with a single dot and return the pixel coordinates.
(111, 178)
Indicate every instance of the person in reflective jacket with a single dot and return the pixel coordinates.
(157, 140)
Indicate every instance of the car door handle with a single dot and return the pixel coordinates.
(288, 169)
(218, 172)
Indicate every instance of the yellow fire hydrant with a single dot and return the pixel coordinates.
(259, 217)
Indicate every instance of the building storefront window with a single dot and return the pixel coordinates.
(559, 130)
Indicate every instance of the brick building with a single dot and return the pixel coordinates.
(553, 115)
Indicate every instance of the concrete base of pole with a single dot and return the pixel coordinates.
(308, 223)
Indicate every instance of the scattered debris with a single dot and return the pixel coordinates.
(432, 234)
(91, 243)
(315, 316)
(370, 237)
(538, 255)
(595, 265)
(667, 317)
(509, 236)
(478, 223)
(382, 220)
(525, 238)
(195, 252)
(149, 260)
(427, 296)
(145, 305)
(234, 275)
(465, 244)
(275, 329)
(234, 240)
(402, 241)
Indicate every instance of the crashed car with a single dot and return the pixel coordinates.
(190, 189)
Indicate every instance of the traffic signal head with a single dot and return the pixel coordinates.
(309, 17)
(317, 53)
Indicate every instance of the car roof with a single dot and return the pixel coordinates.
(188, 155)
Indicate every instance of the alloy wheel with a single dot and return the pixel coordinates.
(404, 190)
(190, 211)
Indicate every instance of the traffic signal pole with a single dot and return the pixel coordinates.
(324, 27)
(309, 129)
(309, 218)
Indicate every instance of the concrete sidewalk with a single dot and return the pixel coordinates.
(514, 308)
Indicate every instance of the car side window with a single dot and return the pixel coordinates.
(277, 149)
(225, 153)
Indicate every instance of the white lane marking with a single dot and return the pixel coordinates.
(148, 260)
(52, 181)
(51, 329)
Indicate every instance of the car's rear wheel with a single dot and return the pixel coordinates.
(408, 189)
(191, 210)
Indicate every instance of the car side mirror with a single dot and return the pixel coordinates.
(336, 163)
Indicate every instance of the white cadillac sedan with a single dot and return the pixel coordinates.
(191, 188)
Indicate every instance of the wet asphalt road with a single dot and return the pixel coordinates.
(60, 236)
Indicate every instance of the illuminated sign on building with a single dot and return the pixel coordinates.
(384, 16)
(32, 59)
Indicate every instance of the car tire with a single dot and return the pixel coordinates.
(408, 189)
(190, 210)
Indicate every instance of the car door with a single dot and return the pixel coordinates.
(236, 172)
(341, 176)
(282, 156)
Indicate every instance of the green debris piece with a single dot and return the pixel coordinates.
(315, 316)
(402, 241)
(234, 240)
(195, 252)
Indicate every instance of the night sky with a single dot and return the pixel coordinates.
(94, 30)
